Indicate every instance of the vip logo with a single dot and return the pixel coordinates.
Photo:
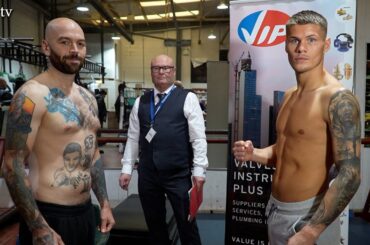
(263, 28)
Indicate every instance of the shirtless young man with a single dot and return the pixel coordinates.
(318, 125)
(52, 125)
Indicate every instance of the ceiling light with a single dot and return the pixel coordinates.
(82, 8)
(99, 21)
(211, 35)
(149, 17)
(163, 3)
(116, 37)
(222, 5)
(152, 3)
(185, 1)
(163, 15)
(181, 14)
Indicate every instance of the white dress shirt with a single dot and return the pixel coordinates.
(192, 112)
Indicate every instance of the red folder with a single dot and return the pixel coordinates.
(196, 198)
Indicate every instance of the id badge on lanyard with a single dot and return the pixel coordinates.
(150, 135)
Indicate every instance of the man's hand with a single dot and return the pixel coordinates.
(300, 239)
(243, 150)
(124, 181)
(199, 182)
(46, 235)
(306, 236)
(107, 220)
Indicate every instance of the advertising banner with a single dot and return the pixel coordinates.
(259, 75)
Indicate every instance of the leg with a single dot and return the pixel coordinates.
(75, 224)
(153, 202)
(278, 225)
(177, 192)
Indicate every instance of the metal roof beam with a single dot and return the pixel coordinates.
(101, 9)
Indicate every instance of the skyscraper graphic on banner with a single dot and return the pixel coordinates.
(252, 109)
(274, 110)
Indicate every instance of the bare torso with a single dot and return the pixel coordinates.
(303, 146)
(65, 143)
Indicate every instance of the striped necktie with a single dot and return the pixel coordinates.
(160, 97)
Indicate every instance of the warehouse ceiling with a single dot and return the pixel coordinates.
(128, 17)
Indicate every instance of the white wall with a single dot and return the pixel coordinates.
(134, 60)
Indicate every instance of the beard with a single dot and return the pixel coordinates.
(60, 62)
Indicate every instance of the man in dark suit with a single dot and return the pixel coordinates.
(167, 128)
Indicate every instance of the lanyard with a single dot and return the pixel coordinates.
(161, 103)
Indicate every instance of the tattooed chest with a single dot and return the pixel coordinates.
(74, 112)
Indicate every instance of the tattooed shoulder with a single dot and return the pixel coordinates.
(344, 113)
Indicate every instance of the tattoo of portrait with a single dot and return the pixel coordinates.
(56, 101)
(19, 122)
(71, 174)
(98, 181)
(345, 124)
(345, 129)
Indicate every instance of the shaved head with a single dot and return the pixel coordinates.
(57, 25)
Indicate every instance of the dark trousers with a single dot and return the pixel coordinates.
(75, 224)
(153, 185)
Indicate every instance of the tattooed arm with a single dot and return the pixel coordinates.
(345, 130)
(24, 118)
(100, 190)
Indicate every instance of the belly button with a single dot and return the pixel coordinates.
(301, 131)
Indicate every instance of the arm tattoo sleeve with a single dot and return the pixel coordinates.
(18, 128)
(98, 181)
(345, 130)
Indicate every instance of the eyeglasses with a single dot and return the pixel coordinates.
(165, 69)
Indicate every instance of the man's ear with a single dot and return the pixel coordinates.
(327, 44)
(45, 47)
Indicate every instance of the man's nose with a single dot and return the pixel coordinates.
(301, 47)
(73, 48)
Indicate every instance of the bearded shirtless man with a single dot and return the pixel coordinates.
(52, 124)
(318, 125)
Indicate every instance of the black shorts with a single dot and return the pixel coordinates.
(75, 224)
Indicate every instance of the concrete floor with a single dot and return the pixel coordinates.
(111, 156)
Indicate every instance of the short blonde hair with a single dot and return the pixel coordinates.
(308, 17)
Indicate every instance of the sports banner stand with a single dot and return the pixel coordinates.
(259, 75)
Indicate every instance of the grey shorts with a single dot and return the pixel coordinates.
(285, 219)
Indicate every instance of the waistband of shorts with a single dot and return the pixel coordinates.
(291, 207)
(66, 210)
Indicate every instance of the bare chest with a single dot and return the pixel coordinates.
(302, 117)
(65, 114)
